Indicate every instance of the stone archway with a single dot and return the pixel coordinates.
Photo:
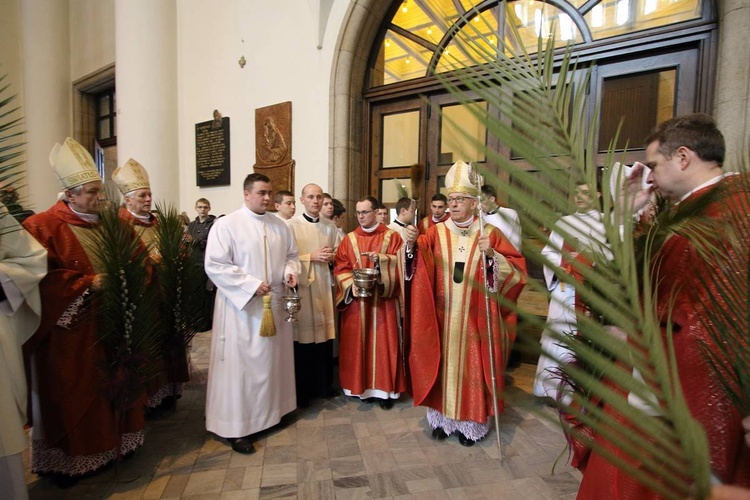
(346, 170)
(730, 105)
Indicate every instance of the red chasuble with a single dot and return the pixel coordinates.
(427, 222)
(370, 356)
(677, 267)
(146, 231)
(448, 352)
(176, 371)
(67, 359)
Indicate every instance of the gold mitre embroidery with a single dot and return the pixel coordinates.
(130, 177)
(73, 165)
(459, 179)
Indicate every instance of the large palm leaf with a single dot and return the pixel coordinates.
(11, 145)
(126, 314)
(544, 117)
(181, 289)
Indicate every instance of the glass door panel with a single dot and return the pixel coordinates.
(462, 135)
(396, 143)
(400, 144)
(642, 99)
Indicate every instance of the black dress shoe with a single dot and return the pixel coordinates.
(386, 404)
(242, 445)
(465, 441)
(439, 434)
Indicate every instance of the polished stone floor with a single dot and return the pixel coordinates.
(337, 449)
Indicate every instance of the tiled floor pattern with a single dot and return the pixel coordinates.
(336, 449)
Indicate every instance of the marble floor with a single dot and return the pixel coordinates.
(337, 449)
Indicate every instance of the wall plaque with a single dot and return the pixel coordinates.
(273, 145)
(212, 152)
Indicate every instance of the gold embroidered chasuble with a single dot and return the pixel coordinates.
(449, 354)
(370, 327)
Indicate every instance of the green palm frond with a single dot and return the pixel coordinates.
(538, 108)
(401, 191)
(11, 151)
(127, 318)
(181, 284)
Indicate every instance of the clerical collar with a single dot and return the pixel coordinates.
(255, 214)
(370, 229)
(493, 211)
(710, 182)
(437, 219)
(464, 224)
(91, 218)
(143, 218)
(402, 224)
(310, 218)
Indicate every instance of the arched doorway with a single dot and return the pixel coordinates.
(387, 104)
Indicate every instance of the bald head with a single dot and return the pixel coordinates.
(312, 199)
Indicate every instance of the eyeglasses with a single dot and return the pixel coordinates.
(363, 212)
(459, 199)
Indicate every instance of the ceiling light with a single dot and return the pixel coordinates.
(407, 60)
(387, 42)
(429, 30)
(404, 8)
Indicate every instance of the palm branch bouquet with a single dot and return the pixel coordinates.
(180, 293)
(543, 116)
(127, 318)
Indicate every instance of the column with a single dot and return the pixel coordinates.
(732, 103)
(47, 93)
(146, 79)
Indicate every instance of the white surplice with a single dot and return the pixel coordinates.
(316, 315)
(507, 221)
(23, 264)
(588, 229)
(250, 378)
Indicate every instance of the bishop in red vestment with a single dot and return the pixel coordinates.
(449, 356)
(370, 364)
(74, 424)
(133, 182)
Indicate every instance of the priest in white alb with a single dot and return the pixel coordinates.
(23, 264)
(250, 255)
(317, 239)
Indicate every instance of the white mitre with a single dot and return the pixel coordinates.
(462, 178)
(73, 165)
(130, 177)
